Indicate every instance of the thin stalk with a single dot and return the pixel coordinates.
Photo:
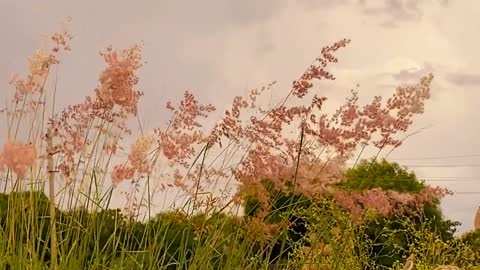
(51, 179)
(197, 187)
(302, 135)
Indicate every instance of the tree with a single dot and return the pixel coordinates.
(390, 235)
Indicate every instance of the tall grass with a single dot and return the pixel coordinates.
(301, 220)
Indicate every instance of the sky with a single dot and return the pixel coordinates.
(219, 49)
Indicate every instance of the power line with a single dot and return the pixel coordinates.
(442, 165)
(450, 177)
(452, 180)
(435, 165)
(438, 157)
(442, 180)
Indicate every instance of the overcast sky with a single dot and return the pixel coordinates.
(218, 49)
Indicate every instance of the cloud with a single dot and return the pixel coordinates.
(323, 3)
(394, 12)
(463, 79)
(413, 74)
(444, 3)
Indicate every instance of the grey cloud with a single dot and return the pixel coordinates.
(388, 24)
(208, 16)
(444, 3)
(408, 75)
(173, 33)
(323, 3)
(252, 11)
(264, 43)
(463, 79)
(397, 11)
(192, 17)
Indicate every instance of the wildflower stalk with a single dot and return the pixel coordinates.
(51, 180)
(302, 134)
(197, 185)
(292, 202)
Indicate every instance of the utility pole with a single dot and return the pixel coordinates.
(477, 219)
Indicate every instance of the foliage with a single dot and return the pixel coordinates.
(333, 241)
(429, 248)
(389, 235)
(472, 239)
(370, 174)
